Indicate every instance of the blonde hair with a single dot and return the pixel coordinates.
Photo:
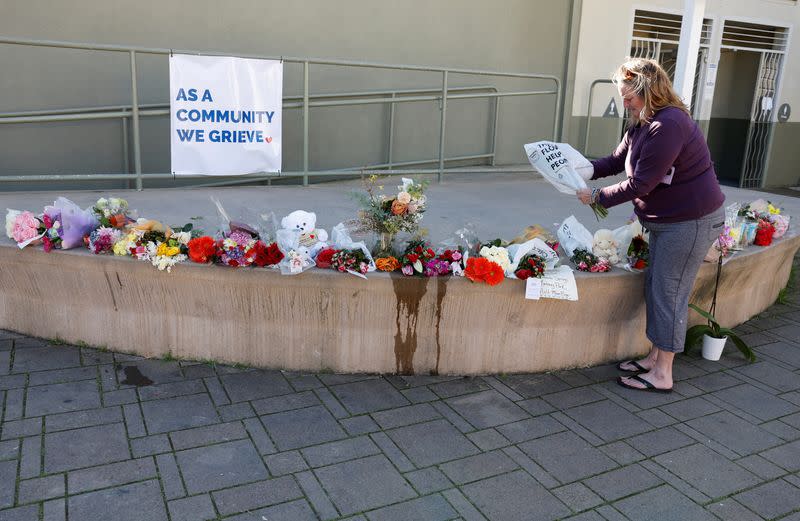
(647, 79)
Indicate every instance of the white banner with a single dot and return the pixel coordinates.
(225, 115)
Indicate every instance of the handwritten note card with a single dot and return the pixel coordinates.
(558, 283)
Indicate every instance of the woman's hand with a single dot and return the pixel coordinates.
(584, 195)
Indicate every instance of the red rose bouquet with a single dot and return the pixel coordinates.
(531, 265)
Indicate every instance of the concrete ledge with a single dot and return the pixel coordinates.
(323, 320)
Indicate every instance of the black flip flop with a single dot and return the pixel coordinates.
(649, 387)
(639, 368)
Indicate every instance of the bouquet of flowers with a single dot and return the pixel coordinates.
(103, 239)
(202, 249)
(388, 215)
(639, 253)
(586, 261)
(112, 212)
(455, 259)
(416, 258)
(496, 253)
(24, 228)
(764, 233)
(53, 235)
(171, 250)
(481, 269)
(388, 263)
(237, 248)
(350, 261)
(267, 254)
(531, 265)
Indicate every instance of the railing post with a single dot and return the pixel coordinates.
(391, 129)
(494, 128)
(442, 126)
(137, 152)
(126, 163)
(305, 123)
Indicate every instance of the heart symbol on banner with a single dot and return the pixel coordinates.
(268, 139)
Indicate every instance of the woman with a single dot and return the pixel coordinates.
(674, 189)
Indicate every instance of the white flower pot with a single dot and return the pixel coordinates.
(712, 347)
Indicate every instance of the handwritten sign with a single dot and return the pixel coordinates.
(558, 284)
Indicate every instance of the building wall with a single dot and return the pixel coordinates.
(605, 34)
(507, 35)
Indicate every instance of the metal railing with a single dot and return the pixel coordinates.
(589, 115)
(135, 112)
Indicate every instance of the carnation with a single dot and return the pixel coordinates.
(25, 227)
(498, 255)
(202, 249)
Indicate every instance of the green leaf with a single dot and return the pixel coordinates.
(708, 316)
(694, 334)
(739, 343)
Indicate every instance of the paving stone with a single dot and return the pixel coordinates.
(179, 413)
(577, 496)
(567, 457)
(392, 452)
(772, 499)
(39, 489)
(754, 401)
(459, 386)
(622, 453)
(477, 467)
(331, 403)
(195, 508)
(320, 502)
(255, 384)
(158, 371)
(114, 474)
(573, 397)
(714, 381)
(368, 396)
(656, 418)
(285, 403)
(782, 351)
(171, 390)
(22, 428)
(338, 379)
(206, 435)
(761, 467)
(587, 516)
(287, 462)
(690, 409)
(640, 399)
(57, 376)
(85, 447)
(14, 381)
(427, 481)
(789, 331)
(771, 375)
(55, 398)
(26, 513)
(608, 420)
(786, 456)
(403, 416)
(132, 502)
(292, 511)
(487, 409)
(730, 510)
(220, 466)
(431, 443)
(683, 370)
(259, 436)
(96, 357)
(453, 417)
(170, 476)
(133, 420)
(514, 496)
(781, 429)
(623, 482)
(430, 508)
(488, 439)
(419, 395)
(199, 371)
(536, 406)
(30, 463)
(305, 382)
(502, 388)
(660, 441)
(531, 428)
(707, 471)
(216, 391)
(8, 481)
(108, 378)
(600, 373)
(359, 425)
(150, 445)
(734, 433)
(88, 418)
(351, 485)
(663, 503)
(236, 411)
(9, 449)
(536, 385)
(55, 510)
(338, 451)
(256, 495)
(119, 397)
(303, 427)
(43, 358)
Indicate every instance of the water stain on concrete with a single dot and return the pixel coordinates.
(408, 292)
(135, 377)
(441, 291)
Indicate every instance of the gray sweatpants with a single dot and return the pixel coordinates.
(676, 252)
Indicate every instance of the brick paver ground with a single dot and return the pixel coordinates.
(83, 439)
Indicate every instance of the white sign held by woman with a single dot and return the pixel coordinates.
(225, 115)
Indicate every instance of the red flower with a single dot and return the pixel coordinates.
(522, 274)
(481, 269)
(418, 249)
(264, 255)
(325, 256)
(412, 257)
(202, 249)
(48, 244)
(764, 233)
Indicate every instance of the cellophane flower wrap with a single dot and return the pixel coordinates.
(351, 256)
(24, 228)
(75, 223)
(112, 212)
(534, 247)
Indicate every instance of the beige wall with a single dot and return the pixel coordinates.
(507, 35)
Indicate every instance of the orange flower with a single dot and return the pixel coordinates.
(398, 208)
(481, 269)
(387, 263)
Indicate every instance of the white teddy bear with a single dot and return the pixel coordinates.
(606, 246)
(311, 239)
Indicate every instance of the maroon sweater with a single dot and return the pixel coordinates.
(647, 153)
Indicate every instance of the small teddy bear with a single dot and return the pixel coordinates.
(606, 246)
(311, 239)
